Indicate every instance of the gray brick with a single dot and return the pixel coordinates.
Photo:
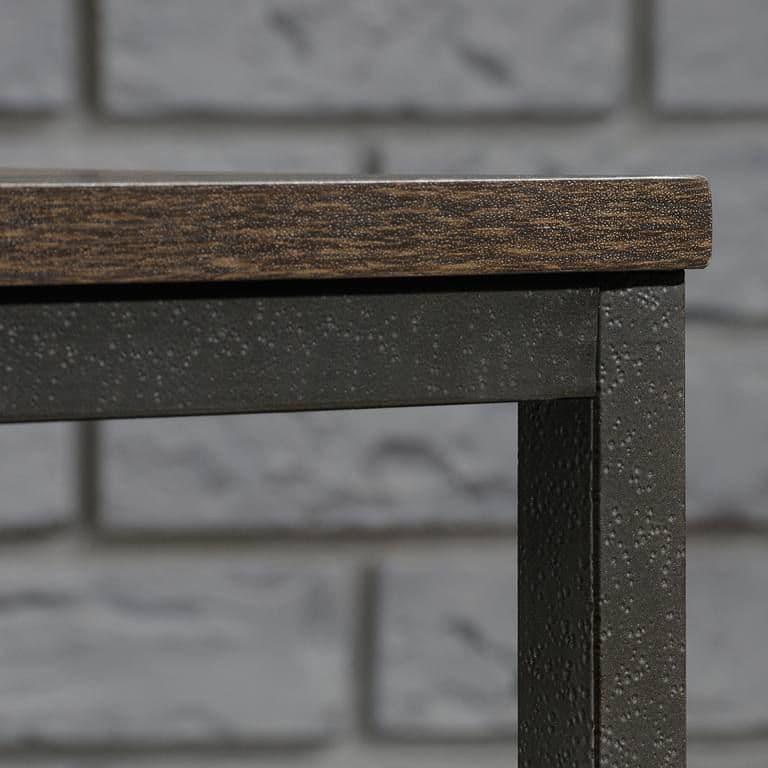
(37, 68)
(190, 759)
(712, 55)
(424, 468)
(37, 476)
(446, 642)
(446, 662)
(736, 161)
(728, 754)
(550, 151)
(87, 760)
(351, 754)
(298, 56)
(168, 649)
(727, 372)
(190, 147)
(727, 626)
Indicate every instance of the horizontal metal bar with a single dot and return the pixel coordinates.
(142, 351)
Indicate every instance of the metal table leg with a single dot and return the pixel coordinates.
(602, 548)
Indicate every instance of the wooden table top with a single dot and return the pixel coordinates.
(59, 228)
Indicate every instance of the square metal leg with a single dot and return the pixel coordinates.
(602, 548)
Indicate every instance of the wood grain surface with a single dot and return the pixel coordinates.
(100, 228)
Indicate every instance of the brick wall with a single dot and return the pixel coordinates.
(338, 589)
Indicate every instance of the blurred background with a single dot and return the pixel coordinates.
(338, 589)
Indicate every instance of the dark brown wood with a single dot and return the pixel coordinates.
(96, 228)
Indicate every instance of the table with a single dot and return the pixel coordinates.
(125, 295)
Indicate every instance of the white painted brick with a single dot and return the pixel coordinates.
(727, 626)
(346, 55)
(166, 649)
(728, 753)
(185, 148)
(38, 472)
(446, 662)
(711, 55)
(727, 372)
(37, 66)
(431, 468)
(352, 754)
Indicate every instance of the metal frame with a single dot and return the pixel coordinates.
(128, 351)
(598, 365)
(602, 547)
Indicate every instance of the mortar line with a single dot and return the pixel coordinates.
(88, 56)
(88, 475)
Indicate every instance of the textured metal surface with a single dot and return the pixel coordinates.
(555, 585)
(641, 526)
(143, 351)
(636, 713)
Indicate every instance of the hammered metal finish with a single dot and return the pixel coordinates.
(641, 526)
(77, 354)
(555, 584)
(635, 714)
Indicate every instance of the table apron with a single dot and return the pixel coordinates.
(176, 351)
